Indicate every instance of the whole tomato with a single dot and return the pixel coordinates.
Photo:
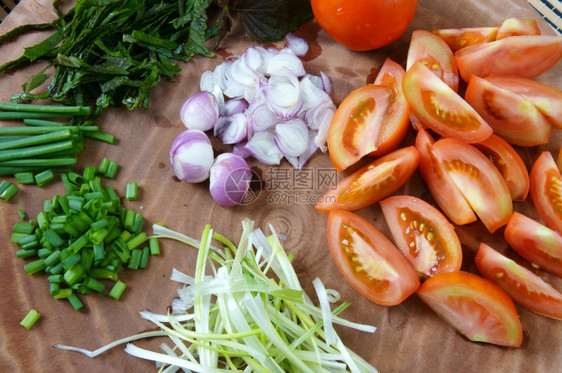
(364, 24)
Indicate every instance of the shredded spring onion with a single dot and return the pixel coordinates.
(244, 310)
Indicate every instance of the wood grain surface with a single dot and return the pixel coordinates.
(410, 337)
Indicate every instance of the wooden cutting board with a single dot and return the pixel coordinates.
(410, 337)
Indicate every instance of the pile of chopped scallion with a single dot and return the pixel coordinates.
(248, 313)
(83, 238)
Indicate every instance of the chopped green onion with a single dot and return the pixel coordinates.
(7, 190)
(117, 290)
(44, 177)
(75, 301)
(111, 169)
(94, 284)
(30, 319)
(154, 246)
(144, 257)
(34, 267)
(25, 177)
(134, 262)
(33, 108)
(104, 164)
(131, 192)
(101, 136)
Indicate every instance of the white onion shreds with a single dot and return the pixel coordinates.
(285, 62)
(230, 179)
(326, 311)
(262, 147)
(298, 45)
(200, 111)
(323, 129)
(231, 129)
(191, 156)
(283, 96)
(233, 106)
(260, 118)
(327, 82)
(291, 137)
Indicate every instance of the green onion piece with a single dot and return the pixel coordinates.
(103, 273)
(131, 192)
(78, 244)
(57, 269)
(134, 262)
(70, 187)
(74, 274)
(22, 227)
(41, 123)
(36, 140)
(94, 284)
(44, 177)
(67, 110)
(25, 177)
(26, 253)
(7, 190)
(117, 290)
(101, 136)
(30, 319)
(111, 169)
(154, 246)
(63, 293)
(54, 288)
(22, 214)
(34, 267)
(55, 278)
(138, 223)
(53, 258)
(136, 241)
(104, 164)
(14, 115)
(144, 257)
(37, 150)
(89, 173)
(75, 301)
(129, 220)
(44, 252)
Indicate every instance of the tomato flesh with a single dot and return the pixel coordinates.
(512, 116)
(433, 52)
(509, 164)
(423, 234)
(440, 108)
(546, 190)
(372, 182)
(526, 56)
(458, 38)
(478, 180)
(518, 27)
(369, 261)
(522, 285)
(476, 307)
(535, 242)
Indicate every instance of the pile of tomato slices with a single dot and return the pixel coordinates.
(471, 97)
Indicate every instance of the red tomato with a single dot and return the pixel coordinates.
(476, 307)
(509, 164)
(364, 24)
(522, 285)
(535, 242)
(457, 38)
(546, 98)
(423, 234)
(371, 120)
(559, 163)
(512, 116)
(369, 261)
(372, 182)
(525, 56)
(440, 108)
(517, 27)
(433, 52)
(478, 180)
(440, 184)
(546, 190)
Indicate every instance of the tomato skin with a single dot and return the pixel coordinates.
(363, 25)
(423, 234)
(368, 260)
(372, 182)
(458, 38)
(478, 180)
(433, 52)
(371, 120)
(535, 242)
(476, 307)
(546, 190)
(546, 98)
(522, 285)
(518, 27)
(440, 108)
(526, 56)
(440, 184)
(509, 164)
(512, 116)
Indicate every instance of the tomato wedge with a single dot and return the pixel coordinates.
(559, 163)
(478, 180)
(423, 234)
(440, 108)
(369, 261)
(457, 38)
(371, 120)
(476, 307)
(526, 56)
(440, 184)
(433, 52)
(512, 116)
(509, 164)
(522, 285)
(372, 182)
(535, 242)
(546, 98)
(518, 27)
(546, 190)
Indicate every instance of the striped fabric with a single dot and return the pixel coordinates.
(550, 11)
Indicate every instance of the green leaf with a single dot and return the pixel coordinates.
(43, 48)
(35, 81)
(270, 20)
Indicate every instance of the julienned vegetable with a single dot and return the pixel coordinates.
(82, 239)
(249, 314)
